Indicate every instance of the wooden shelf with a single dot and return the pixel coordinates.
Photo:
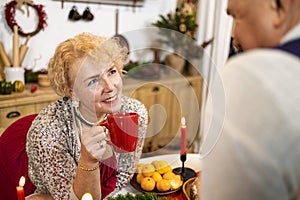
(17, 105)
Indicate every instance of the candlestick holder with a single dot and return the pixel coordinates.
(185, 172)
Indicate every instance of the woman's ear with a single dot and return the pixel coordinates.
(69, 92)
(280, 9)
(73, 95)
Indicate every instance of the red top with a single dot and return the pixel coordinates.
(108, 178)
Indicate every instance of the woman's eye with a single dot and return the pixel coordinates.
(112, 71)
(93, 82)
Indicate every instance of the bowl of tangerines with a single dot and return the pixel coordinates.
(156, 177)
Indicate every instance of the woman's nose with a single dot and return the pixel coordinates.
(108, 85)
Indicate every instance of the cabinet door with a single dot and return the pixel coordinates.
(167, 103)
(157, 98)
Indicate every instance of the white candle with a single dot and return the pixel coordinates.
(87, 196)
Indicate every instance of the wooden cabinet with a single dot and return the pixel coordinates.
(17, 105)
(156, 97)
(168, 100)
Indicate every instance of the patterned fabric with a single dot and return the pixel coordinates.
(53, 148)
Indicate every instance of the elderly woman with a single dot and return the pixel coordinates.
(68, 153)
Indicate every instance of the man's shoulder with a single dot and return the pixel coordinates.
(261, 53)
(261, 57)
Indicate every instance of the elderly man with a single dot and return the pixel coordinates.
(258, 153)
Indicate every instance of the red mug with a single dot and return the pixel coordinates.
(123, 131)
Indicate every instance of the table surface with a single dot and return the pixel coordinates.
(193, 161)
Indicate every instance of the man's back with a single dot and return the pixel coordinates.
(257, 156)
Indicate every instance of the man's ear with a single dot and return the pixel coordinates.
(280, 9)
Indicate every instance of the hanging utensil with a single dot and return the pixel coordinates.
(122, 39)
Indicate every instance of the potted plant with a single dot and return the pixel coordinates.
(177, 30)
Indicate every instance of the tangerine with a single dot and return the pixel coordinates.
(169, 168)
(156, 176)
(154, 162)
(139, 168)
(169, 176)
(148, 169)
(139, 178)
(163, 185)
(148, 184)
(160, 164)
(163, 170)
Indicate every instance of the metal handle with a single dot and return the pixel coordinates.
(13, 114)
(155, 89)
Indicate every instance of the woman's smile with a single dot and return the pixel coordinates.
(111, 100)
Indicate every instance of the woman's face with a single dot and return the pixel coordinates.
(98, 87)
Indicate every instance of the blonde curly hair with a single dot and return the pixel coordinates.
(67, 53)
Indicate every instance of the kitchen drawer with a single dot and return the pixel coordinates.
(11, 114)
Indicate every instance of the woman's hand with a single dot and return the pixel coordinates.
(93, 144)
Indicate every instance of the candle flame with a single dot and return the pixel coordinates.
(22, 181)
(183, 121)
(87, 196)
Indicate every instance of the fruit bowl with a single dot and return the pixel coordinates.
(156, 177)
(137, 186)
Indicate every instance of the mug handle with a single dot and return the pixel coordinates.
(106, 125)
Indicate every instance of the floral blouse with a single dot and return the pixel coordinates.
(53, 148)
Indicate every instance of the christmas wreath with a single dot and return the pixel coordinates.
(10, 11)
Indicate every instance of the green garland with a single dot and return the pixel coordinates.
(146, 196)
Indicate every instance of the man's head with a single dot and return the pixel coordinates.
(262, 23)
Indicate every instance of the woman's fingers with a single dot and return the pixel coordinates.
(94, 141)
(93, 135)
(101, 144)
